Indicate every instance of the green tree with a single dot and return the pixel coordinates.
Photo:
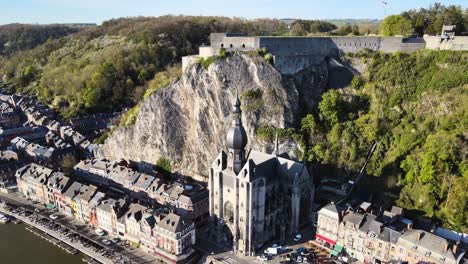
(395, 25)
(331, 107)
(298, 30)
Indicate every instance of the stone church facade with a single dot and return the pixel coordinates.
(256, 197)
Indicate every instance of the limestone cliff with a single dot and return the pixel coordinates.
(187, 121)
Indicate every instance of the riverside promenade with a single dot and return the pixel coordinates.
(58, 236)
(118, 254)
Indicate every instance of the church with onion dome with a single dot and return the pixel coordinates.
(256, 197)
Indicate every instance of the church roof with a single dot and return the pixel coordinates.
(265, 162)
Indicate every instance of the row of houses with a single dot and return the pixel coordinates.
(45, 155)
(191, 201)
(9, 117)
(95, 122)
(386, 237)
(158, 231)
(41, 115)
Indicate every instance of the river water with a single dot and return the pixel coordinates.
(19, 246)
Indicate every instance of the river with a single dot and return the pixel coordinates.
(19, 246)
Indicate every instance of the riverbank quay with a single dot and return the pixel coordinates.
(76, 233)
(56, 242)
(56, 235)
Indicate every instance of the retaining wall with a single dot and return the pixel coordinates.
(292, 54)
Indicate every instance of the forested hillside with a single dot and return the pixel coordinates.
(107, 67)
(414, 107)
(19, 37)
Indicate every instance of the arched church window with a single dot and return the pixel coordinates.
(229, 212)
(261, 184)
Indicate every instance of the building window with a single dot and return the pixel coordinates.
(230, 45)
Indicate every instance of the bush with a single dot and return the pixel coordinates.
(357, 82)
(252, 100)
(268, 133)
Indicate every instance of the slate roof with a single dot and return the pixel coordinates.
(428, 244)
(34, 173)
(368, 219)
(265, 163)
(174, 223)
(96, 199)
(144, 181)
(112, 205)
(135, 212)
(58, 180)
(389, 235)
(87, 192)
(73, 190)
(353, 218)
(331, 210)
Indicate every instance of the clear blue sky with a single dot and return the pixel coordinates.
(96, 11)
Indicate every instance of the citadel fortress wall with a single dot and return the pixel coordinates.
(291, 54)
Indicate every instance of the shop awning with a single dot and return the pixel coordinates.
(338, 248)
(334, 253)
(326, 239)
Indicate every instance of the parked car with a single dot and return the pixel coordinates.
(272, 250)
(106, 242)
(115, 240)
(100, 232)
(53, 216)
(300, 250)
(297, 237)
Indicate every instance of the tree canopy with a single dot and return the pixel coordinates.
(395, 25)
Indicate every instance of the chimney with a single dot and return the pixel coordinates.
(420, 235)
(446, 246)
(455, 247)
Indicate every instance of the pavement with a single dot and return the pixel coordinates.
(223, 254)
(116, 253)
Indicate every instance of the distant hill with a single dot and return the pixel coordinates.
(20, 37)
(344, 21)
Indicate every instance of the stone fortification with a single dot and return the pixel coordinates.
(292, 54)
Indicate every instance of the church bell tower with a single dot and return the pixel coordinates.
(236, 140)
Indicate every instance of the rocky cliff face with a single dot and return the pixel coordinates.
(187, 121)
